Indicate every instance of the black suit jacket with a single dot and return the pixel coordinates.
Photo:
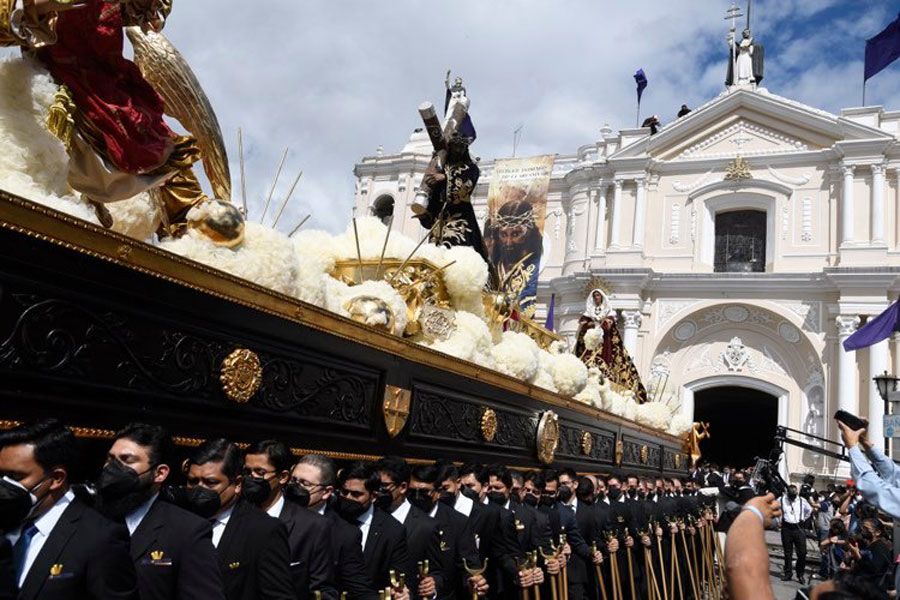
(85, 557)
(457, 550)
(8, 588)
(311, 564)
(349, 564)
(174, 557)
(498, 542)
(423, 542)
(386, 550)
(254, 556)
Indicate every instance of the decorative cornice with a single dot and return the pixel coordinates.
(788, 144)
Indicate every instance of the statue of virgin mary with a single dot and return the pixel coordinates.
(610, 356)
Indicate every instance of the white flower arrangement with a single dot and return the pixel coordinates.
(137, 217)
(654, 414)
(337, 294)
(465, 278)
(570, 375)
(517, 356)
(590, 395)
(593, 338)
(544, 380)
(680, 425)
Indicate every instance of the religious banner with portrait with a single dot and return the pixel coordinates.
(513, 231)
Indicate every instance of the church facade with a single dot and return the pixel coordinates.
(740, 245)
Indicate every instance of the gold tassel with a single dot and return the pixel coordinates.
(60, 120)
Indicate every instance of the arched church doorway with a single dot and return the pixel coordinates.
(742, 424)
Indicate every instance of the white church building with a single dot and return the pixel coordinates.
(740, 245)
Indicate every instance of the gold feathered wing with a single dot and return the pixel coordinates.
(163, 66)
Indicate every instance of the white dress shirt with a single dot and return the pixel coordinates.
(573, 504)
(321, 509)
(134, 518)
(401, 512)
(275, 509)
(434, 509)
(365, 522)
(796, 511)
(463, 504)
(45, 524)
(219, 525)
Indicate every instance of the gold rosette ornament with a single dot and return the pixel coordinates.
(241, 375)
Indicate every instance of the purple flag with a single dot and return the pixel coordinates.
(641, 81)
(550, 319)
(877, 329)
(883, 49)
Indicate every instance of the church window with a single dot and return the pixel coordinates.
(741, 242)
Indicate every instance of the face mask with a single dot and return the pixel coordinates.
(421, 499)
(383, 500)
(642, 495)
(530, 499)
(496, 498)
(350, 509)
(632, 494)
(201, 501)
(469, 493)
(16, 503)
(255, 490)
(547, 501)
(121, 489)
(297, 494)
(564, 494)
(792, 495)
(601, 496)
(614, 493)
(447, 498)
(868, 536)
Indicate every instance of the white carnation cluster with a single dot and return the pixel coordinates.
(33, 164)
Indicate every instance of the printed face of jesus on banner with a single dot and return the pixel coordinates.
(513, 232)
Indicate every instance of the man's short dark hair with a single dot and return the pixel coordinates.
(474, 469)
(570, 472)
(447, 471)
(395, 467)
(326, 467)
(54, 444)
(501, 473)
(851, 587)
(517, 476)
(154, 438)
(220, 451)
(426, 474)
(364, 471)
(529, 475)
(277, 452)
(548, 475)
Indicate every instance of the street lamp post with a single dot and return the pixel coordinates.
(887, 385)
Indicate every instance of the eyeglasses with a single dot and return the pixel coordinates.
(258, 472)
(307, 484)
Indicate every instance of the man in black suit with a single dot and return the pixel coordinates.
(458, 549)
(252, 547)
(267, 471)
(63, 549)
(383, 537)
(8, 588)
(318, 476)
(423, 537)
(171, 548)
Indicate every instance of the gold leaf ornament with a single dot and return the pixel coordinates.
(241, 375)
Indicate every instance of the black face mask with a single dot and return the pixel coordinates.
(564, 494)
(16, 503)
(447, 498)
(469, 493)
(642, 495)
(530, 499)
(868, 536)
(632, 494)
(201, 501)
(349, 509)
(255, 490)
(614, 493)
(792, 495)
(497, 498)
(601, 496)
(296, 493)
(121, 489)
(421, 499)
(383, 500)
(547, 501)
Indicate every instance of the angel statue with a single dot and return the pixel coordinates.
(699, 432)
(109, 111)
(610, 356)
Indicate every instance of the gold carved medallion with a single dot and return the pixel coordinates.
(677, 461)
(620, 451)
(395, 409)
(587, 443)
(547, 436)
(738, 169)
(488, 424)
(241, 375)
(645, 454)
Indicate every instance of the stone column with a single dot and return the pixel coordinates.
(896, 356)
(576, 229)
(632, 322)
(640, 213)
(600, 238)
(615, 235)
(878, 364)
(846, 384)
(847, 205)
(877, 231)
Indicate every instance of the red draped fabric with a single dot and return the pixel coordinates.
(119, 112)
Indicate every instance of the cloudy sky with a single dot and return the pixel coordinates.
(333, 80)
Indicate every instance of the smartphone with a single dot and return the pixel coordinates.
(850, 420)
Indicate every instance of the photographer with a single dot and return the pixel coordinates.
(879, 480)
(796, 512)
(833, 548)
(871, 559)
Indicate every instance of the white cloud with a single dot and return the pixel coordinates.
(334, 80)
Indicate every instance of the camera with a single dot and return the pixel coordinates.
(766, 478)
